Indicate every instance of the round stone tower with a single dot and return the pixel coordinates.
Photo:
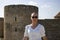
(15, 19)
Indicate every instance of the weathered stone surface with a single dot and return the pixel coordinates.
(58, 16)
(16, 17)
(52, 27)
(1, 27)
(14, 22)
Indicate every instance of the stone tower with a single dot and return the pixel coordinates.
(1, 27)
(16, 17)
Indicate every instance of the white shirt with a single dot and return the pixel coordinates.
(34, 34)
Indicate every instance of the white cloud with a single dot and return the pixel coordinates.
(33, 3)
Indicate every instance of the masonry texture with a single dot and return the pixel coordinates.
(58, 16)
(1, 27)
(16, 18)
(52, 27)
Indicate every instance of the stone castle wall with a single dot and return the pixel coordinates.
(16, 17)
(52, 27)
(1, 27)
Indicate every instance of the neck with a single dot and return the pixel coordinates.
(34, 24)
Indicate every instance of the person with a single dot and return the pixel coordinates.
(34, 31)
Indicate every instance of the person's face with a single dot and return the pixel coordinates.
(34, 17)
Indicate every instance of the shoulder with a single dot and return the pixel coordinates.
(27, 26)
(40, 25)
(42, 28)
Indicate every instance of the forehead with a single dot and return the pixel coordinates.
(34, 14)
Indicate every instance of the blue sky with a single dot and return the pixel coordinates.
(47, 8)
